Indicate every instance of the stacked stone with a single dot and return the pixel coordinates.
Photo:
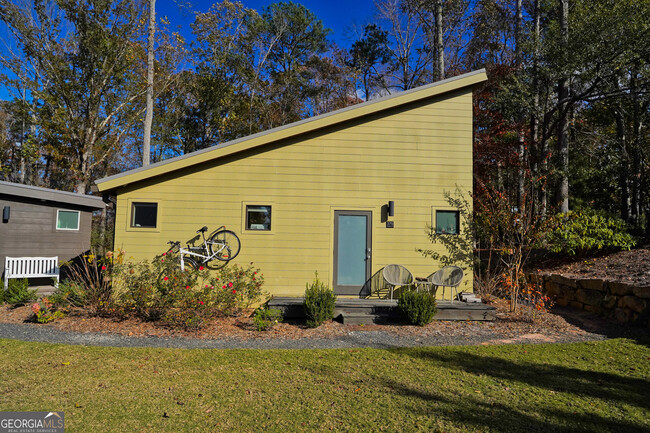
(621, 301)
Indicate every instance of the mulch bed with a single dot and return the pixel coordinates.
(632, 267)
(527, 325)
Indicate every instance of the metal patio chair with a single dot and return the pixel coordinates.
(449, 276)
(397, 276)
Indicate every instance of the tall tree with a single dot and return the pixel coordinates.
(148, 119)
(88, 84)
(562, 195)
(368, 54)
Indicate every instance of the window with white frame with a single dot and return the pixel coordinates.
(67, 219)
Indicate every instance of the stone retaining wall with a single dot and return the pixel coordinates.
(620, 301)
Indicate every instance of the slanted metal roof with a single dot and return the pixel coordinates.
(46, 194)
(292, 129)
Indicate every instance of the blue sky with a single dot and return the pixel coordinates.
(338, 15)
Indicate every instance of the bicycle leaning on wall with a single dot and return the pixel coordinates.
(221, 244)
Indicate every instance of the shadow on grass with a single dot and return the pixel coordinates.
(581, 383)
(468, 413)
(544, 397)
(593, 323)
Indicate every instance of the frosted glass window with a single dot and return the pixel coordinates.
(67, 219)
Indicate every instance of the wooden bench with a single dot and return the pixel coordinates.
(31, 267)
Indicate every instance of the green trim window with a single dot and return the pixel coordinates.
(144, 215)
(67, 219)
(258, 217)
(447, 222)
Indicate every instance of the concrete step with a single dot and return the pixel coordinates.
(366, 319)
(292, 308)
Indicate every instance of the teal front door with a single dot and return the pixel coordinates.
(352, 251)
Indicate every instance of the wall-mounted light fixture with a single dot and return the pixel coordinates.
(391, 208)
(5, 214)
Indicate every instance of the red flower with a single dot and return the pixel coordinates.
(166, 278)
(224, 286)
(201, 302)
(229, 284)
(234, 291)
(103, 268)
(187, 287)
(200, 268)
(164, 254)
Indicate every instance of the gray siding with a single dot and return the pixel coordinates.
(31, 230)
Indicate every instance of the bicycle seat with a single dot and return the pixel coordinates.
(202, 229)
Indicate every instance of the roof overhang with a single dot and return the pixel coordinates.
(287, 131)
(45, 194)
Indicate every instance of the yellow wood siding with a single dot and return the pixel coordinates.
(410, 155)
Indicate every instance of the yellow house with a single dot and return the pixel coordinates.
(314, 195)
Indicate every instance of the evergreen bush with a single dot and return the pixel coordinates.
(418, 308)
(19, 293)
(319, 303)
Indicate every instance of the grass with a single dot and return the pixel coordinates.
(595, 387)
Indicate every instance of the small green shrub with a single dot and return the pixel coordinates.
(266, 318)
(417, 307)
(584, 230)
(319, 303)
(69, 294)
(19, 293)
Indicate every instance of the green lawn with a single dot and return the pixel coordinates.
(603, 386)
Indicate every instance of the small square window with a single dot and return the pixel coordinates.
(67, 219)
(144, 215)
(447, 222)
(258, 217)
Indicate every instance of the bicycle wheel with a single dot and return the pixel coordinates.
(224, 245)
(190, 264)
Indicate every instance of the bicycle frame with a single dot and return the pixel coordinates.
(205, 257)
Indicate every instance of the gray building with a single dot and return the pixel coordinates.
(41, 222)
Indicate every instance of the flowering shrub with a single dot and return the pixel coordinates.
(158, 290)
(151, 289)
(239, 288)
(45, 312)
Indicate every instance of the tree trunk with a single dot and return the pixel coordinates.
(562, 126)
(520, 118)
(148, 118)
(535, 150)
(440, 48)
(623, 171)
